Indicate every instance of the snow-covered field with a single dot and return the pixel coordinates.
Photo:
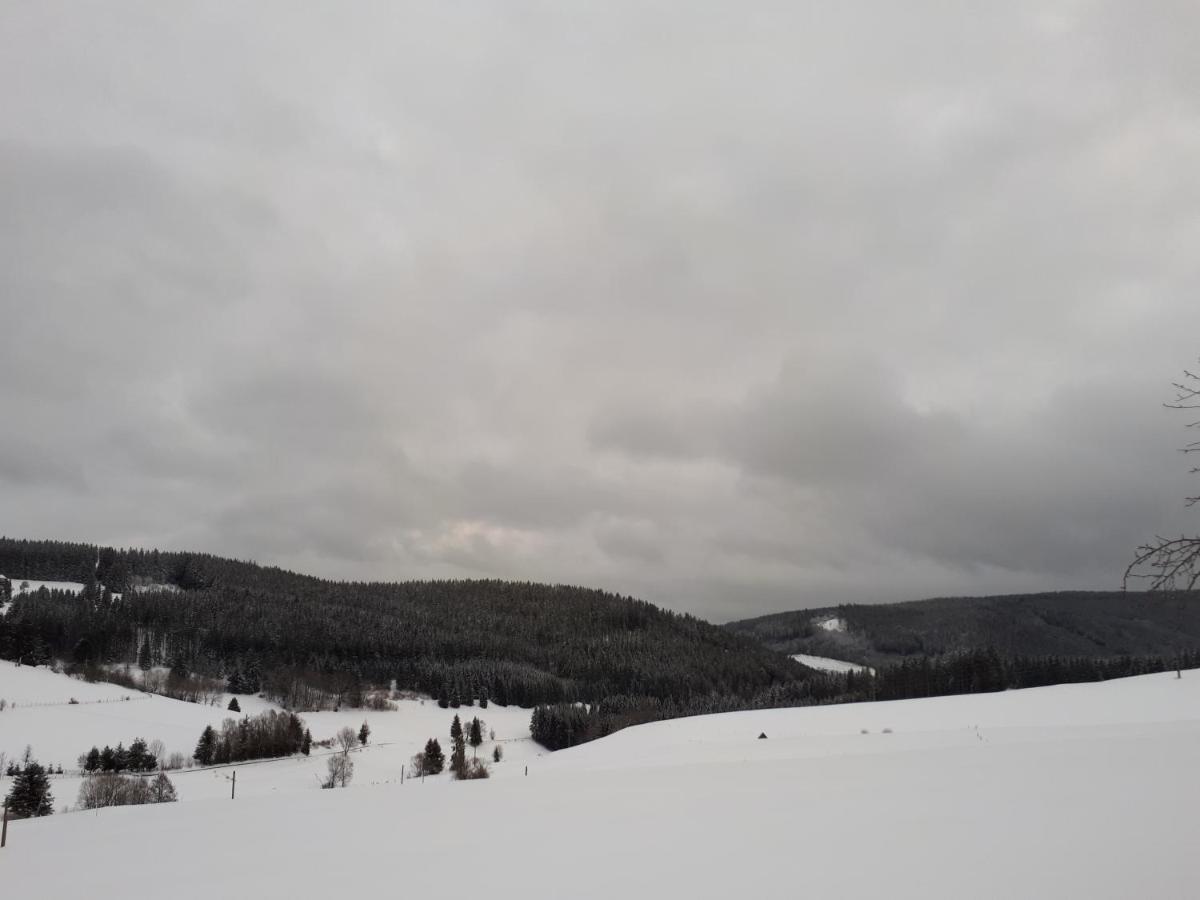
(828, 665)
(41, 716)
(1070, 791)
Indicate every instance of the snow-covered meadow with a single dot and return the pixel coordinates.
(41, 716)
(1070, 791)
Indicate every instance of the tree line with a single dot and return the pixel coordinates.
(265, 736)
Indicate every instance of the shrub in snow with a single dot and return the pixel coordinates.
(475, 769)
(175, 761)
(99, 791)
(497, 754)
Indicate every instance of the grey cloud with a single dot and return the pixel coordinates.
(736, 309)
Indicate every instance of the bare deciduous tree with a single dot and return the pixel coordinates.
(347, 739)
(1173, 563)
(341, 770)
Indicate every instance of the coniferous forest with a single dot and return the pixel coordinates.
(309, 643)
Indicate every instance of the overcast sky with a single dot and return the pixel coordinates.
(736, 307)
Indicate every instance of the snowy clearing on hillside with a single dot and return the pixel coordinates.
(825, 664)
(834, 624)
(1070, 791)
(29, 586)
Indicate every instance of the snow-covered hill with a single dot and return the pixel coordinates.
(1071, 791)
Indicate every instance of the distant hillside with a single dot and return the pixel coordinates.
(1080, 623)
(308, 642)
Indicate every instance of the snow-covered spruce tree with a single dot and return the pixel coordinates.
(234, 706)
(30, 795)
(364, 733)
(476, 734)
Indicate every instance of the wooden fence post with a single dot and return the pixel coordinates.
(4, 827)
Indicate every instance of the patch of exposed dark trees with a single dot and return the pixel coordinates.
(136, 758)
(265, 736)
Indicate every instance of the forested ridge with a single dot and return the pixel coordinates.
(1101, 624)
(308, 642)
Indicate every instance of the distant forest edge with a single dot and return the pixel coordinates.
(310, 644)
(1100, 624)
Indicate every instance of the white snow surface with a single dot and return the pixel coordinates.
(826, 664)
(834, 624)
(1070, 791)
(29, 586)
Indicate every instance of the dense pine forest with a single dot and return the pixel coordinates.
(1104, 624)
(309, 643)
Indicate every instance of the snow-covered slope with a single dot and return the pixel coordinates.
(1073, 791)
(41, 716)
(826, 664)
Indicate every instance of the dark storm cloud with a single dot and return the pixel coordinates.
(733, 308)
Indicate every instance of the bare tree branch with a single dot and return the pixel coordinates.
(1173, 563)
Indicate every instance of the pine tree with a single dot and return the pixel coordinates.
(143, 658)
(206, 747)
(306, 742)
(234, 706)
(456, 730)
(364, 733)
(30, 795)
(92, 762)
(140, 759)
(458, 759)
(476, 737)
(435, 760)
